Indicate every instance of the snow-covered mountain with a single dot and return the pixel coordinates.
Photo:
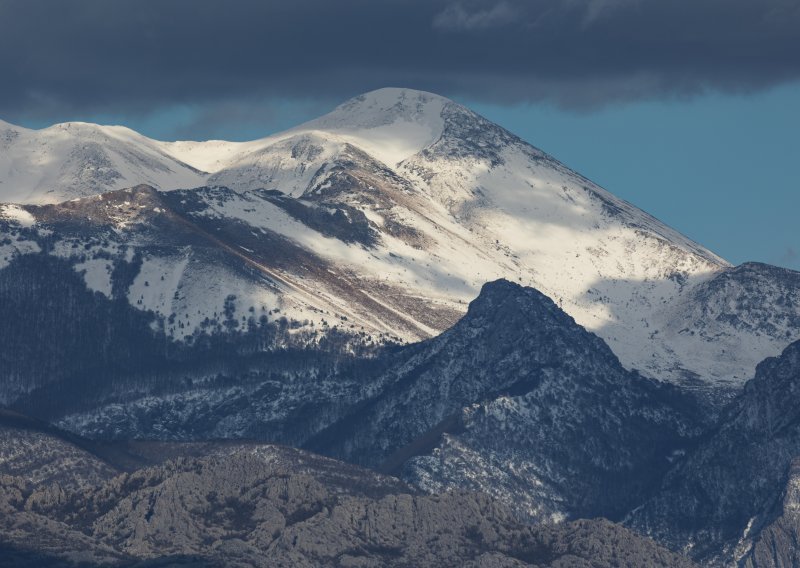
(383, 217)
(77, 159)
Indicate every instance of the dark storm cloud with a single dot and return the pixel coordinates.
(128, 55)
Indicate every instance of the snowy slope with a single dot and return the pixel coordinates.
(77, 159)
(389, 124)
(392, 211)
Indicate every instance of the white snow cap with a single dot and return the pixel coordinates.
(382, 107)
(392, 124)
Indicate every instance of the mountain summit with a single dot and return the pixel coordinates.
(381, 219)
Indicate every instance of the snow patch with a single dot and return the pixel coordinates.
(97, 275)
(18, 214)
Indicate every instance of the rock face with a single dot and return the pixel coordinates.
(383, 218)
(519, 401)
(43, 459)
(722, 500)
(776, 543)
(255, 505)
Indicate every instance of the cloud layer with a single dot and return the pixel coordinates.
(131, 55)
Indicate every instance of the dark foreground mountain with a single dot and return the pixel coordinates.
(734, 498)
(519, 401)
(234, 504)
(516, 400)
(776, 543)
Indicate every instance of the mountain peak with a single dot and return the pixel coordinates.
(510, 304)
(392, 124)
(91, 130)
(387, 105)
(502, 290)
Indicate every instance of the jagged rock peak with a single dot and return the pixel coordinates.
(503, 300)
(503, 292)
(782, 369)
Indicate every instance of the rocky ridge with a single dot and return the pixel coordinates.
(255, 505)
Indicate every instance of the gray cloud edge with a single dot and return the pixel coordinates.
(130, 56)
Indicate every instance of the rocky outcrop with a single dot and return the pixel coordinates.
(518, 400)
(776, 544)
(254, 505)
(715, 501)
